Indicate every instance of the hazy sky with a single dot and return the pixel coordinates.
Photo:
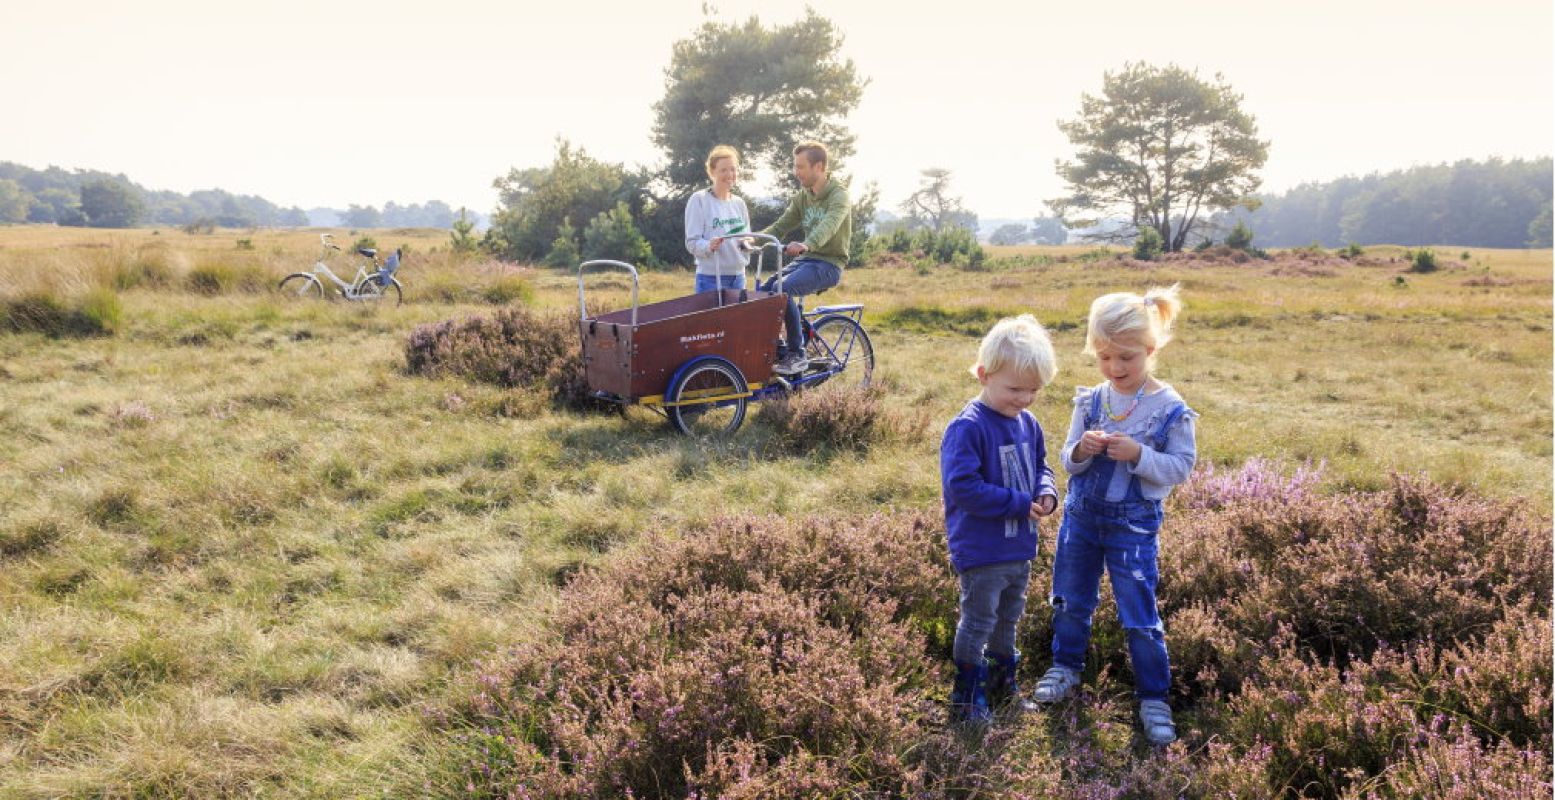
(330, 103)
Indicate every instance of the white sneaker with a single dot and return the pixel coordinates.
(1156, 716)
(1056, 684)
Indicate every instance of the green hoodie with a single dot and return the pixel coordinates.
(827, 220)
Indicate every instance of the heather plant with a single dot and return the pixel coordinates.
(513, 347)
(742, 660)
(835, 418)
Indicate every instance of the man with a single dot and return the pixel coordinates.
(823, 211)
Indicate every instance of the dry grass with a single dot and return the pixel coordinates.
(242, 552)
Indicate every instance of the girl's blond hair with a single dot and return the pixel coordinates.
(1127, 317)
(1018, 343)
(721, 151)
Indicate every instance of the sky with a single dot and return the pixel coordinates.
(322, 103)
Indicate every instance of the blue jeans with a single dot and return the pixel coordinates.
(802, 277)
(707, 283)
(1121, 537)
(992, 599)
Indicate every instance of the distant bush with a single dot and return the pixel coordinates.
(954, 245)
(97, 313)
(203, 225)
(1240, 237)
(513, 347)
(1148, 244)
(1422, 260)
(1352, 250)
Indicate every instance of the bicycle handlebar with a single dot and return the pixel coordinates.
(324, 239)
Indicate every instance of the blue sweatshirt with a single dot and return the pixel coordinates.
(992, 468)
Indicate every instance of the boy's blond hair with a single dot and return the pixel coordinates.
(1127, 317)
(1018, 343)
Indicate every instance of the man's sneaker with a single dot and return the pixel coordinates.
(1058, 683)
(1156, 717)
(792, 364)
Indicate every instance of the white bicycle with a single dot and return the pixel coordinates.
(368, 285)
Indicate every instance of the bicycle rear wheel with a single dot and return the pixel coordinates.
(840, 346)
(301, 284)
(370, 290)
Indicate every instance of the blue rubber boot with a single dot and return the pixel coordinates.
(1004, 683)
(969, 698)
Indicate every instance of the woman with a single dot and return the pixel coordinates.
(715, 217)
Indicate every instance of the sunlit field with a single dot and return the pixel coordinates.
(242, 552)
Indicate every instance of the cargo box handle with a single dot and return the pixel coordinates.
(583, 311)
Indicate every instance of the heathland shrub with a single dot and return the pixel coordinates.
(839, 418)
(96, 313)
(1384, 644)
(1422, 260)
(513, 347)
(1148, 244)
(761, 657)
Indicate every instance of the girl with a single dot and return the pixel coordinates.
(1131, 440)
(714, 217)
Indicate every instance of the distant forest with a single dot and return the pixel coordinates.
(1491, 203)
(90, 198)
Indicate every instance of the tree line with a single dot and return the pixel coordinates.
(1491, 203)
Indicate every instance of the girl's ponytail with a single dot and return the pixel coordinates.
(1161, 308)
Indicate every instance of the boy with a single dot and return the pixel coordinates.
(997, 485)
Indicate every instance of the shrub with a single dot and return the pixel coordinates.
(1422, 260)
(97, 313)
(203, 225)
(564, 250)
(1148, 244)
(508, 289)
(1240, 237)
(612, 235)
(1352, 250)
(512, 348)
(838, 418)
(758, 657)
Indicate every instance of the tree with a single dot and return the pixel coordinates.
(1162, 149)
(1010, 233)
(14, 202)
(932, 206)
(534, 202)
(612, 235)
(759, 89)
(462, 237)
(111, 204)
(361, 217)
(1049, 230)
(1539, 228)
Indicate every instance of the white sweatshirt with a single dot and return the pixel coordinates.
(707, 218)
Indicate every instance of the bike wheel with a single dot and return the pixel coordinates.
(301, 284)
(370, 290)
(708, 399)
(840, 346)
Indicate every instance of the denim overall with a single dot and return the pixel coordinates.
(1122, 536)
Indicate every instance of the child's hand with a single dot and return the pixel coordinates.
(1045, 505)
(715, 242)
(1091, 443)
(1035, 512)
(1121, 448)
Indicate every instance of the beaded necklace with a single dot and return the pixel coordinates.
(1106, 402)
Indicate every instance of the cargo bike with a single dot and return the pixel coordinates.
(699, 360)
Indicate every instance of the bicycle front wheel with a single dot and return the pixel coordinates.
(708, 400)
(840, 346)
(301, 284)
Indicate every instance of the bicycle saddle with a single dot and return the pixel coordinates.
(370, 252)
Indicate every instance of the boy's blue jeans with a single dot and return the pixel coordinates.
(802, 277)
(992, 599)
(1121, 537)
(706, 283)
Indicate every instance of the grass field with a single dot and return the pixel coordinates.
(243, 553)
